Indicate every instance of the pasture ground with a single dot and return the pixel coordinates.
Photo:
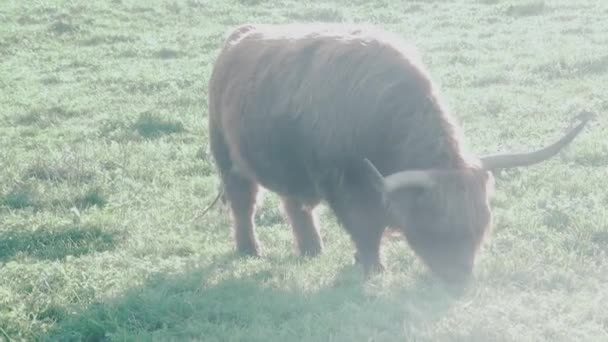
(105, 167)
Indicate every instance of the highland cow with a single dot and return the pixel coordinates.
(348, 115)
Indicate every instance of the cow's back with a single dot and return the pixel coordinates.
(293, 103)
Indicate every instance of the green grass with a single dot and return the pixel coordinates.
(105, 168)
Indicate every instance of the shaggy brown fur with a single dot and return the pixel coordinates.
(297, 108)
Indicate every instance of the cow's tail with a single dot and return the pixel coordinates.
(220, 195)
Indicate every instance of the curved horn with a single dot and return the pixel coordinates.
(375, 175)
(510, 160)
(408, 178)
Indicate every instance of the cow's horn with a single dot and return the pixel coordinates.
(375, 176)
(510, 160)
(408, 179)
(398, 180)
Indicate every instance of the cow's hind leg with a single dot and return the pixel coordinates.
(240, 194)
(304, 228)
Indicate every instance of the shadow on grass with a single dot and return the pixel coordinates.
(152, 126)
(248, 308)
(19, 198)
(56, 243)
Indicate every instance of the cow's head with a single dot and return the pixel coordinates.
(445, 213)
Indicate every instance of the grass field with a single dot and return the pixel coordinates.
(105, 167)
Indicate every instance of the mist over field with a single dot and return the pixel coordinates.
(105, 169)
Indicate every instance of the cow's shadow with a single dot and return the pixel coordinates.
(211, 305)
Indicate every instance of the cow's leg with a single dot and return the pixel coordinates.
(303, 224)
(365, 229)
(359, 210)
(240, 194)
